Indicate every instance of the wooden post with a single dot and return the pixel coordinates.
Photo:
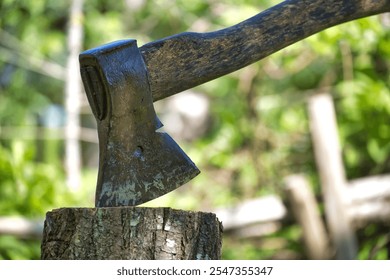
(73, 96)
(130, 233)
(305, 210)
(327, 150)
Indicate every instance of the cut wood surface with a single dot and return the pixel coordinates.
(130, 233)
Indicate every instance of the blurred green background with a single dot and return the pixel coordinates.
(254, 132)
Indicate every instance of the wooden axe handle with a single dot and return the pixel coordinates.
(189, 59)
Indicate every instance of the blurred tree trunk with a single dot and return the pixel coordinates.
(72, 96)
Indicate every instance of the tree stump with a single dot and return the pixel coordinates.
(130, 233)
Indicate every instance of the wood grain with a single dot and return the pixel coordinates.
(189, 59)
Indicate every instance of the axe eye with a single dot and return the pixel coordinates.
(95, 91)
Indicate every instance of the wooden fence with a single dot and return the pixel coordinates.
(349, 205)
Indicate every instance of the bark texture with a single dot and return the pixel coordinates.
(185, 60)
(130, 233)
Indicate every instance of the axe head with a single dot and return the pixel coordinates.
(137, 163)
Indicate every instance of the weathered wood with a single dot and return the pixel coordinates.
(328, 158)
(130, 233)
(260, 210)
(369, 200)
(365, 213)
(189, 59)
(255, 230)
(369, 188)
(253, 218)
(21, 227)
(72, 160)
(306, 212)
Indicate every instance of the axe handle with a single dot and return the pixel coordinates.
(189, 59)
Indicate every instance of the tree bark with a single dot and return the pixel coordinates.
(130, 233)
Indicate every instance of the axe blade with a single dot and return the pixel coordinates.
(148, 171)
(136, 163)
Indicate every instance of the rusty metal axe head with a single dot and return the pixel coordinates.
(137, 163)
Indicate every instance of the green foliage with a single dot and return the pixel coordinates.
(285, 244)
(12, 248)
(376, 241)
(28, 188)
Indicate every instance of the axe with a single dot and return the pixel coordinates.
(138, 163)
